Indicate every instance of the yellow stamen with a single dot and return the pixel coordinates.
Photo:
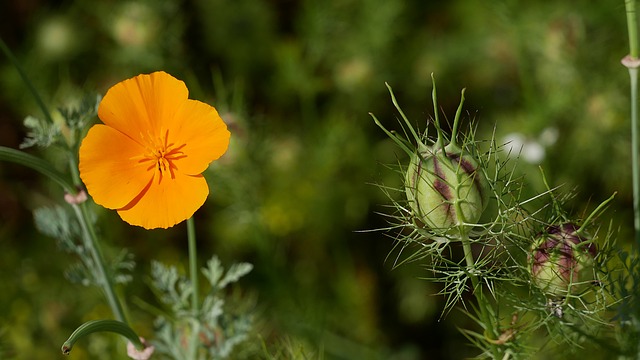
(161, 155)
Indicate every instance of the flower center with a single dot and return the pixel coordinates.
(161, 156)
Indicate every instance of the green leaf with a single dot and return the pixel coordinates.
(77, 274)
(39, 133)
(122, 266)
(213, 271)
(235, 272)
(220, 328)
(57, 223)
(174, 290)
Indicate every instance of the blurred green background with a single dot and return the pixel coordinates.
(295, 81)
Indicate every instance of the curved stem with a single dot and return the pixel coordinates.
(93, 326)
(35, 163)
(91, 241)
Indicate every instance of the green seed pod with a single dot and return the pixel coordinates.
(445, 188)
(560, 260)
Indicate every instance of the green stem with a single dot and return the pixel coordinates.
(73, 168)
(193, 264)
(193, 272)
(632, 27)
(93, 245)
(491, 330)
(633, 75)
(26, 80)
(35, 163)
(105, 278)
(632, 63)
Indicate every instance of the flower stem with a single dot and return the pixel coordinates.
(92, 244)
(635, 167)
(26, 80)
(73, 168)
(632, 62)
(193, 272)
(490, 330)
(193, 264)
(632, 27)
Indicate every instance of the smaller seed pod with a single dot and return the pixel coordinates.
(561, 260)
(445, 188)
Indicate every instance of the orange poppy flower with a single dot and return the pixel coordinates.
(146, 160)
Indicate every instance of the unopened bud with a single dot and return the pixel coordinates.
(560, 260)
(445, 188)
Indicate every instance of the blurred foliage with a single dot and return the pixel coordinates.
(295, 80)
(220, 329)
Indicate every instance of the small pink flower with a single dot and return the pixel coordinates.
(76, 199)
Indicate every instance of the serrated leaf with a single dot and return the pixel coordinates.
(216, 276)
(122, 266)
(212, 309)
(59, 224)
(174, 289)
(213, 271)
(39, 133)
(52, 221)
(235, 330)
(235, 272)
(164, 279)
(219, 329)
(78, 274)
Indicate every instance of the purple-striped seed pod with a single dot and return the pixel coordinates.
(445, 188)
(560, 260)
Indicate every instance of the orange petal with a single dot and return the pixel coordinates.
(109, 167)
(167, 202)
(141, 106)
(205, 136)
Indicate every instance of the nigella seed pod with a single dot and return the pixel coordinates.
(445, 187)
(560, 260)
